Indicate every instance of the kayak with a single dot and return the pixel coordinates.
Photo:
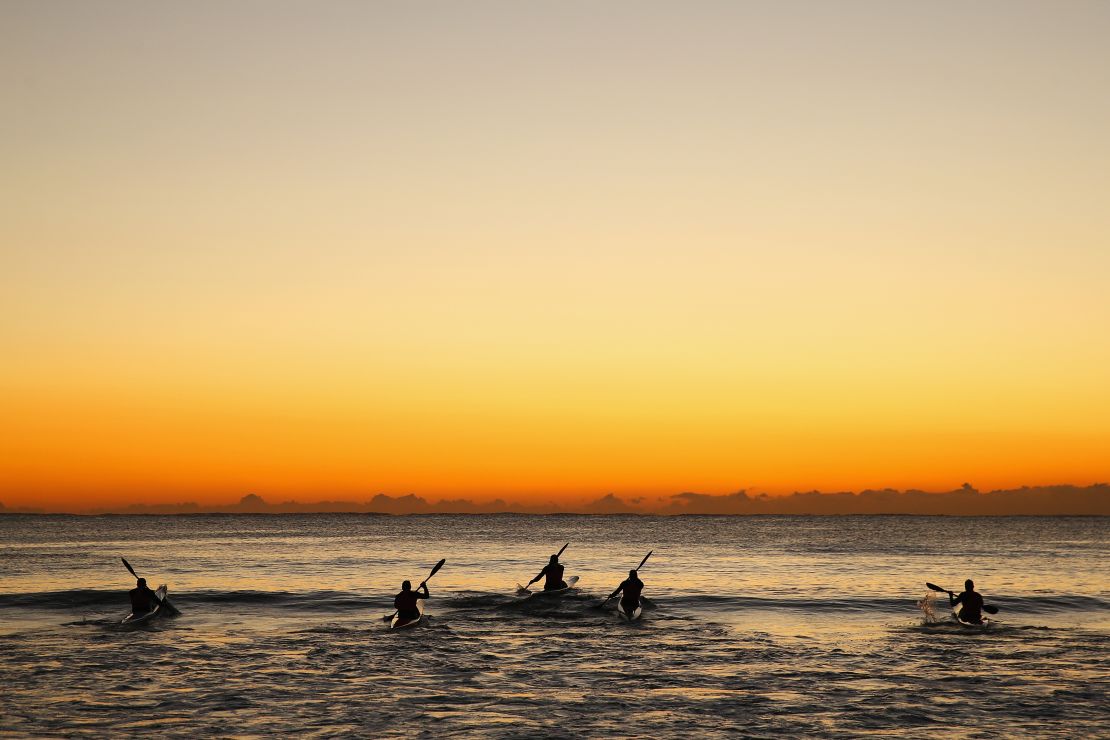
(634, 615)
(555, 591)
(164, 608)
(400, 624)
(985, 624)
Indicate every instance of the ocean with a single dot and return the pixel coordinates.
(757, 626)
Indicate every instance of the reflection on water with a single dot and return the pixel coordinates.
(766, 625)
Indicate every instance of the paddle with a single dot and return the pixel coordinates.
(988, 608)
(165, 602)
(434, 571)
(641, 565)
(521, 590)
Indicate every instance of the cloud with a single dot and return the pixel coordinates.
(407, 504)
(964, 501)
(1068, 500)
(19, 510)
(702, 503)
(252, 502)
(608, 504)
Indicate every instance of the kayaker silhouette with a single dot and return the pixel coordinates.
(554, 573)
(405, 602)
(972, 609)
(143, 600)
(632, 588)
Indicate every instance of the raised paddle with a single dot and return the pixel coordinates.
(988, 608)
(434, 571)
(641, 565)
(521, 590)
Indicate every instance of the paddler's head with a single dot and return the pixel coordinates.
(969, 585)
(141, 583)
(554, 559)
(406, 586)
(634, 575)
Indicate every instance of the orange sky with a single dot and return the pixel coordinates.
(549, 253)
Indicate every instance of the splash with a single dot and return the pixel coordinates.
(926, 606)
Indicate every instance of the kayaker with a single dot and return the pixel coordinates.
(972, 609)
(405, 602)
(632, 587)
(554, 573)
(143, 600)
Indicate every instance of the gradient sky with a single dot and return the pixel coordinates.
(550, 250)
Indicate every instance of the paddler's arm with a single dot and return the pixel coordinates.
(538, 576)
(422, 595)
(953, 599)
(619, 589)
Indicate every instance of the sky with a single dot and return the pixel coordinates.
(550, 250)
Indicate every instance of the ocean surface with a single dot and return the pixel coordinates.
(758, 626)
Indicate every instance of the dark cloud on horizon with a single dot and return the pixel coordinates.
(1062, 500)
(19, 509)
(609, 504)
(965, 501)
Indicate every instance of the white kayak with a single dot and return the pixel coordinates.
(544, 593)
(985, 624)
(635, 613)
(399, 624)
(164, 608)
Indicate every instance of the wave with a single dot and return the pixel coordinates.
(476, 601)
(94, 598)
(1038, 604)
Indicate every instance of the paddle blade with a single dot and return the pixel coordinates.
(521, 590)
(435, 569)
(641, 565)
(561, 549)
(990, 609)
(128, 566)
(935, 587)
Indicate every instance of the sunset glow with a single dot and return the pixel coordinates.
(534, 255)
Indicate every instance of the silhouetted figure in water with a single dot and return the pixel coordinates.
(972, 609)
(143, 600)
(632, 587)
(405, 602)
(554, 573)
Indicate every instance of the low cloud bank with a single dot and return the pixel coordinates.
(20, 510)
(965, 501)
(1062, 500)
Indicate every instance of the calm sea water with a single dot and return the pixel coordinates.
(761, 626)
